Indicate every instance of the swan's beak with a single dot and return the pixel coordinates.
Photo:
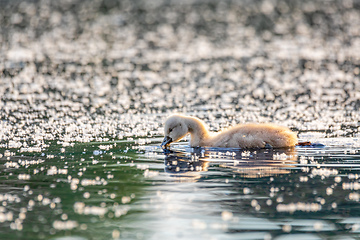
(166, 142)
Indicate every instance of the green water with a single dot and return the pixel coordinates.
(124, 190)
(65, 178)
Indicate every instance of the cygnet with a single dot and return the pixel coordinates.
(240, 136)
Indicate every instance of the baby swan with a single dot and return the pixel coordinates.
(239, 136)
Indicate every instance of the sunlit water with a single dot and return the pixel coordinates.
(135, 190)
(85, 87)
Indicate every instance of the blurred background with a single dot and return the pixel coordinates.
(288, 60)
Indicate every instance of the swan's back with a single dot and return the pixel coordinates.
(255, 136)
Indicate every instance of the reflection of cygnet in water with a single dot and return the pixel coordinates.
(249, 164)
(263, 162)
(181, 164)
(240, 136)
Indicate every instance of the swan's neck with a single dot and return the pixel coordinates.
(198, 131)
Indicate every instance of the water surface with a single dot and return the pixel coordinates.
(85, 87)
(128, 190)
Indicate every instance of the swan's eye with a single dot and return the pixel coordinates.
(170, 129)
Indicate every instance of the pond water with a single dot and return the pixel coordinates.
(131, 189)
(85, 87)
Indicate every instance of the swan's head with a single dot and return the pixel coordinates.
(175, 129)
